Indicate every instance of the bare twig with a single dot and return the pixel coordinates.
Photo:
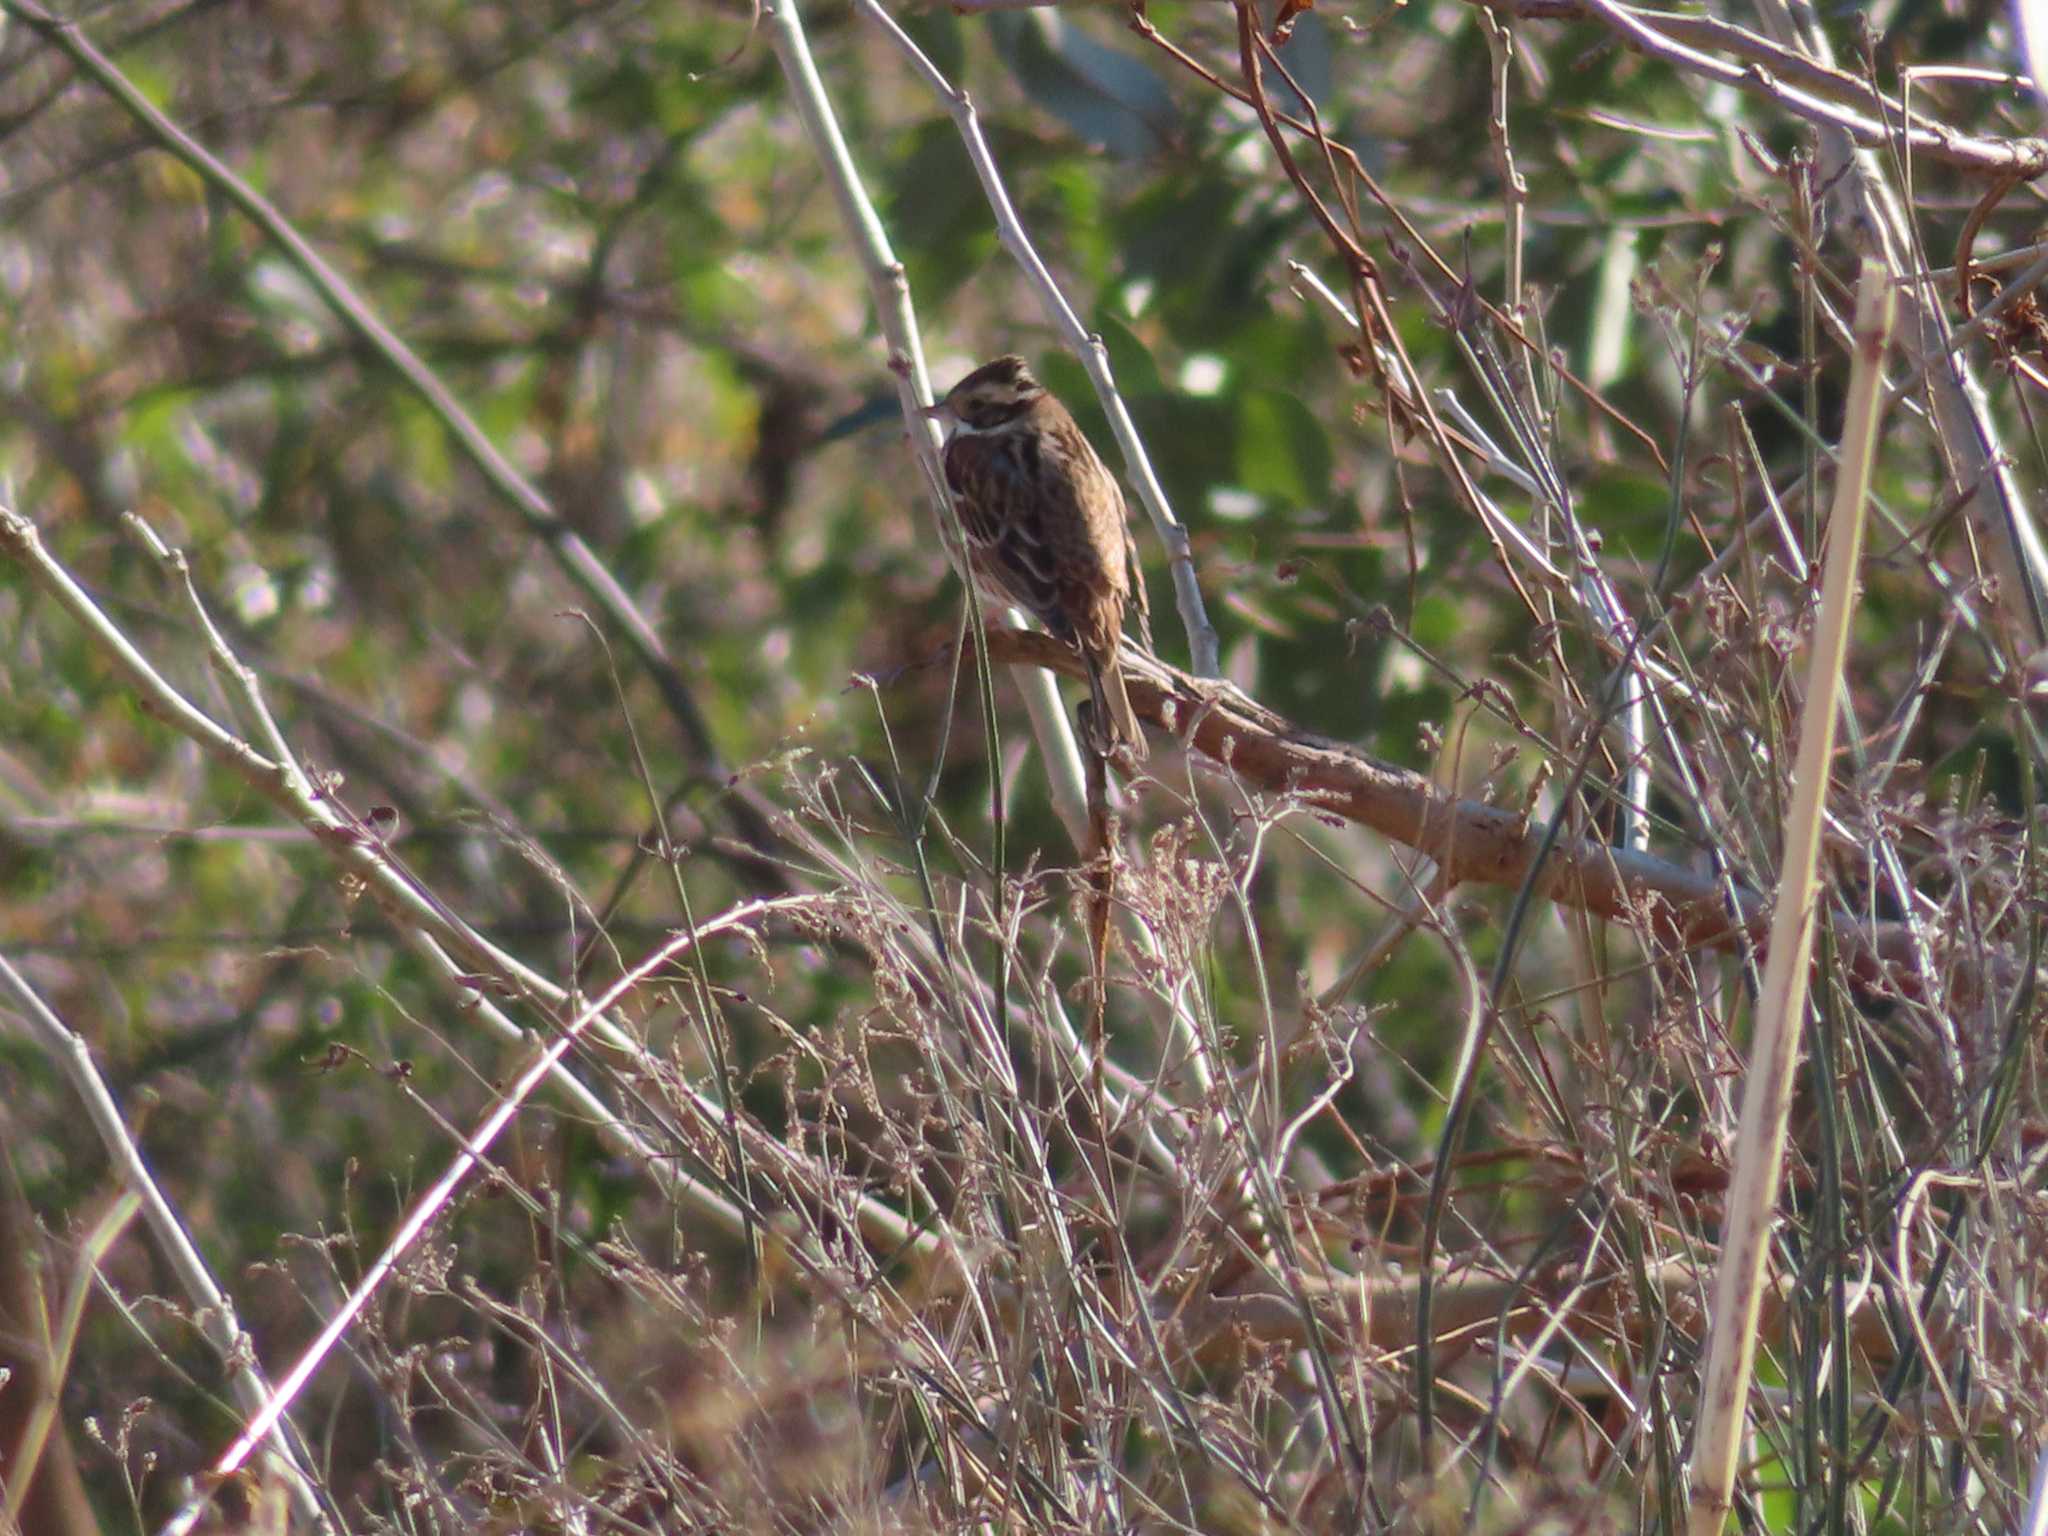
(472, 1155)
(213, 1309)
(890, 293)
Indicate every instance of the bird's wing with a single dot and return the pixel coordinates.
(1135, 573)
(999, 496)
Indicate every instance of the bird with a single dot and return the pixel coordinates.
(1046, 527)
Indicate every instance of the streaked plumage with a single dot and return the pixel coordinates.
(1045, 524)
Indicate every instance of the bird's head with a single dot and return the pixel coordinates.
(991, 397)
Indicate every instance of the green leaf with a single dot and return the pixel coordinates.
(938, 214)
(1130, 360)
(937, 32)
(1282, 452)
(1438, 621)
(1103, 95)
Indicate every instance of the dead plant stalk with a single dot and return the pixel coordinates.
(1781, 1006)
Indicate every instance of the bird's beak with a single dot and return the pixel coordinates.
(935, 412)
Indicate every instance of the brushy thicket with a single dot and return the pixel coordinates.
(1494, 358)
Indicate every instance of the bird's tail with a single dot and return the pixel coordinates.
(1113, 712)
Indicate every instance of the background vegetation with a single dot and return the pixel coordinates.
(557, 495)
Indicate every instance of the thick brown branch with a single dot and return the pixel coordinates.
(1473, 842)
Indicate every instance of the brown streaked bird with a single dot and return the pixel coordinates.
(1045, 525)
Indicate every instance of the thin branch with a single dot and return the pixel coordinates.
(471, 1156)
(889, 290)
(1979, 468)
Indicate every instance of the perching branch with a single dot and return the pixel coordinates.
(1471, 841)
